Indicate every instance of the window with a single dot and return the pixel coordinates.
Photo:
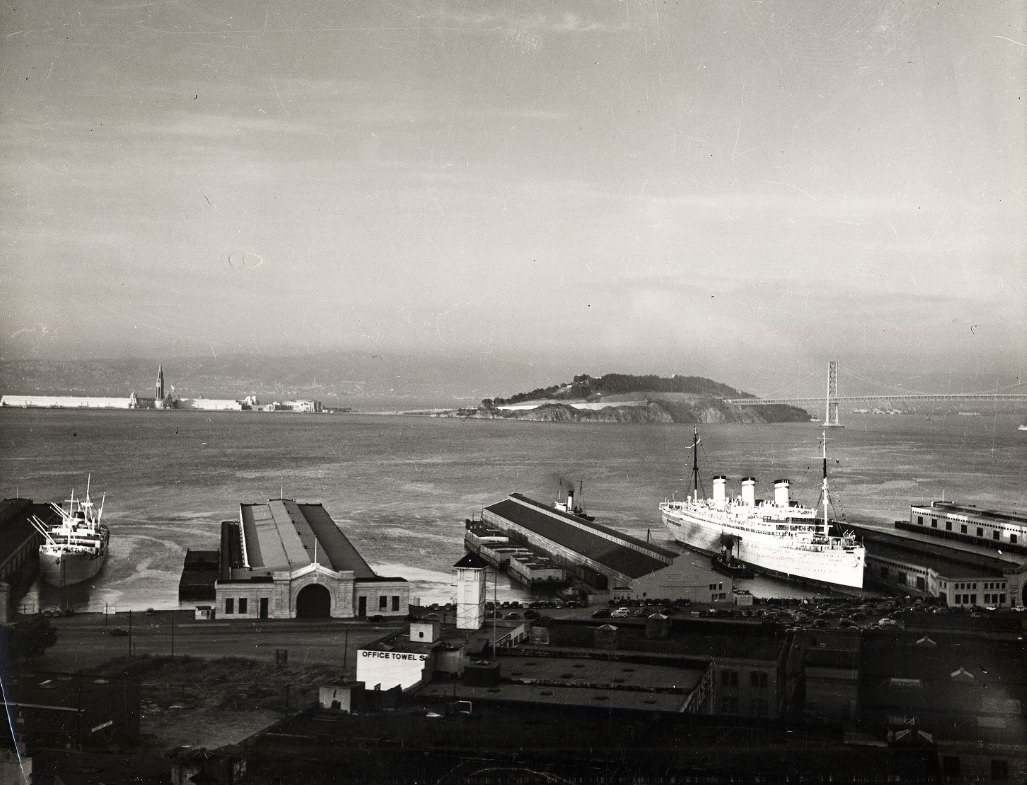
(1012, 539)
(383, 603)
(962, 528)
(229, 605)
(994, 534)
(973, 599)
(395, 603)
(729, 678)
(758, 679)
(920, 519)
(934, 524)
(242, 605)
(980, 532)
(948, 526)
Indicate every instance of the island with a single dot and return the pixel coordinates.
(617, 397)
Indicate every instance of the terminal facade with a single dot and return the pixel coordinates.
(286, 560)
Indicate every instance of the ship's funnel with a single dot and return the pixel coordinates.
(781, 493)
(749, 491)
(719, 489)
(570, 500)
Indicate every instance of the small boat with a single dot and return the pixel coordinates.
(74, 548)
(726, 563)
(569, 505)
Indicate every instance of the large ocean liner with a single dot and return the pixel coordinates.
(75, 547)
(781, 536)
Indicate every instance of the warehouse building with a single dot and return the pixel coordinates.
(604, 558)
(19, 549)
(285, 560)
(917, 563)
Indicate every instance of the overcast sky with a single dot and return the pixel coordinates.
(690, 187)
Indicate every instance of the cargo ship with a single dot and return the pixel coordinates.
(780, 536)
(74, 548)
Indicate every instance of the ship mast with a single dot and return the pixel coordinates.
(823, 489)
(695, 463)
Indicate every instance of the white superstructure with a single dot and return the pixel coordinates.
(75, 547)
(779, 536)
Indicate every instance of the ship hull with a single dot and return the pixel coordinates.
(66, 569)
(835, 568)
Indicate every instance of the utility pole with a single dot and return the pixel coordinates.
(345, 649)
(130, 633)
(172, 635)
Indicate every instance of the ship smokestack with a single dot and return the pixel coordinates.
(719, 489)
(570, 500)
(781, 493)
(749, 491)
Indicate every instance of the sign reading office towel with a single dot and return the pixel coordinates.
(387, 669)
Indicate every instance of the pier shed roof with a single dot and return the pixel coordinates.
(922, 549)
(282, 534)
(617, 552)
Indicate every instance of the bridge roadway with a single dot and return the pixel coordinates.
(1014, 397)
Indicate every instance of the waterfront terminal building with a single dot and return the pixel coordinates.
(968, 556)
(286, 560)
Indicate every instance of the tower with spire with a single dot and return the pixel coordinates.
(159, 388)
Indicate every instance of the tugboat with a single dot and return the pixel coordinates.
(569, 505)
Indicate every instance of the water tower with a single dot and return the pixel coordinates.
(470, 592)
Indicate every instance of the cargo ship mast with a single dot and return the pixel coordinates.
(823, 490)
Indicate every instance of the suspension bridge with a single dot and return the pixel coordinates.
(831, 399)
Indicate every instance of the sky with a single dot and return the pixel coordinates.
(740, 190)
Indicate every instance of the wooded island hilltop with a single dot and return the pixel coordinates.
(617, 397)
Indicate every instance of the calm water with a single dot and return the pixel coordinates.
(401, 487)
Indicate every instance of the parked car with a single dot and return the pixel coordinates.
(602, 613)
(620, 613)
(117, 632)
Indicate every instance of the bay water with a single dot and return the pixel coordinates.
(401, 487)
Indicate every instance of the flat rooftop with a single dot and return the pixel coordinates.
(973, 511)
(582, 681)
(282, 534)
(603, 545)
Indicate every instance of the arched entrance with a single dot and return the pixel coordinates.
(313, 602)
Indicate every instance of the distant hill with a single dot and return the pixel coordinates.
(617, 397)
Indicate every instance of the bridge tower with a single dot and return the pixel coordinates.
(831, 408)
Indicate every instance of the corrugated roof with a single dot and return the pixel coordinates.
(582, 537)
(281, 535)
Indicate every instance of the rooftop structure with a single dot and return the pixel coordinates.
(970, 526)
